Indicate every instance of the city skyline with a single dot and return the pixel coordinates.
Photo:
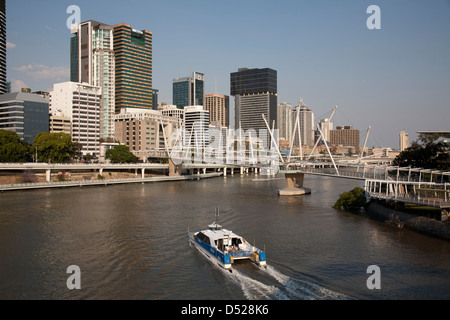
(392, 79)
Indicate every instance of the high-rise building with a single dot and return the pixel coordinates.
(155, 99)
(93, 63)
(285, 122)
(218, 106)
(196, 126)
(345, 136)
(81, 104)
(133, 55)
(325, 126)
(189, 91)
(24, 113)
(3, 86)
(404, 143)
(255, 94)
(306, 121)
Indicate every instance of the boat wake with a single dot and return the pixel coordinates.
(269, 283)
(283, 288)
(300, 289)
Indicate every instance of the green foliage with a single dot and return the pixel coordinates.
(354, 199)
(76, 150)
(54, 146)
(61, 177)
(121, 154)
(12, 149)
(427, 154)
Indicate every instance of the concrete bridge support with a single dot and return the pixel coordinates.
(175, 170)
(294, 185)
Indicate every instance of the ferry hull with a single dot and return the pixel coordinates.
(223, 260)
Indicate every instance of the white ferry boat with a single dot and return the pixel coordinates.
(225, 247)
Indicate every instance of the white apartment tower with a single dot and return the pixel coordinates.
(93, 63)
(306, 119)
(196, 126)
(325, 126)
(285, 120)
(81, 103)
(404, 143)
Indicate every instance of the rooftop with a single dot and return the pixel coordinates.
(22, 96)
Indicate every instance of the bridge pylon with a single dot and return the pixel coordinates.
(294, 184)
(175, 169)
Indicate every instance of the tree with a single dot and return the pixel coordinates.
(76, 151)
(121, 154)
(54, 146)
(354, 199)
(12, 149)
(427, 153)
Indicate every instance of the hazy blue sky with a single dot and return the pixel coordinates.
(396, 78)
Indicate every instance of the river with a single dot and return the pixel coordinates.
(130, 242)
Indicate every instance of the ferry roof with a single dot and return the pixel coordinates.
(220, 234)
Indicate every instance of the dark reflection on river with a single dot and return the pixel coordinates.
(130, 242)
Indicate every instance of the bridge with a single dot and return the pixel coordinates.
(381, 180)
(139, 168)
(408, 185)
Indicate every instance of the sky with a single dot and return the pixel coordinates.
(391, 79)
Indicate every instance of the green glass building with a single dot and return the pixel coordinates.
(133, 52)
(188, 91)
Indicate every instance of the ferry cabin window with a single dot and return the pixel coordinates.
(203, 237)
(220, 244)
(236, 242)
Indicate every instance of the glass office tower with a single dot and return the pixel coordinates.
(189, 91)
(24, 113)
(255, 94)
(133, 52)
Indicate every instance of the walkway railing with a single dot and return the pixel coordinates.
(105, 182)
(420, 193)
(410, 185)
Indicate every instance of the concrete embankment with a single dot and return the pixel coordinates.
(412, 222)
(104, 182)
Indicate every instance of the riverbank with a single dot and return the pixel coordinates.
(400, 219)
(104, 182)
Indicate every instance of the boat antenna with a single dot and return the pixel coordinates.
(217, 215)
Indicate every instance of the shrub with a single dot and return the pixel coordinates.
(354, 199)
